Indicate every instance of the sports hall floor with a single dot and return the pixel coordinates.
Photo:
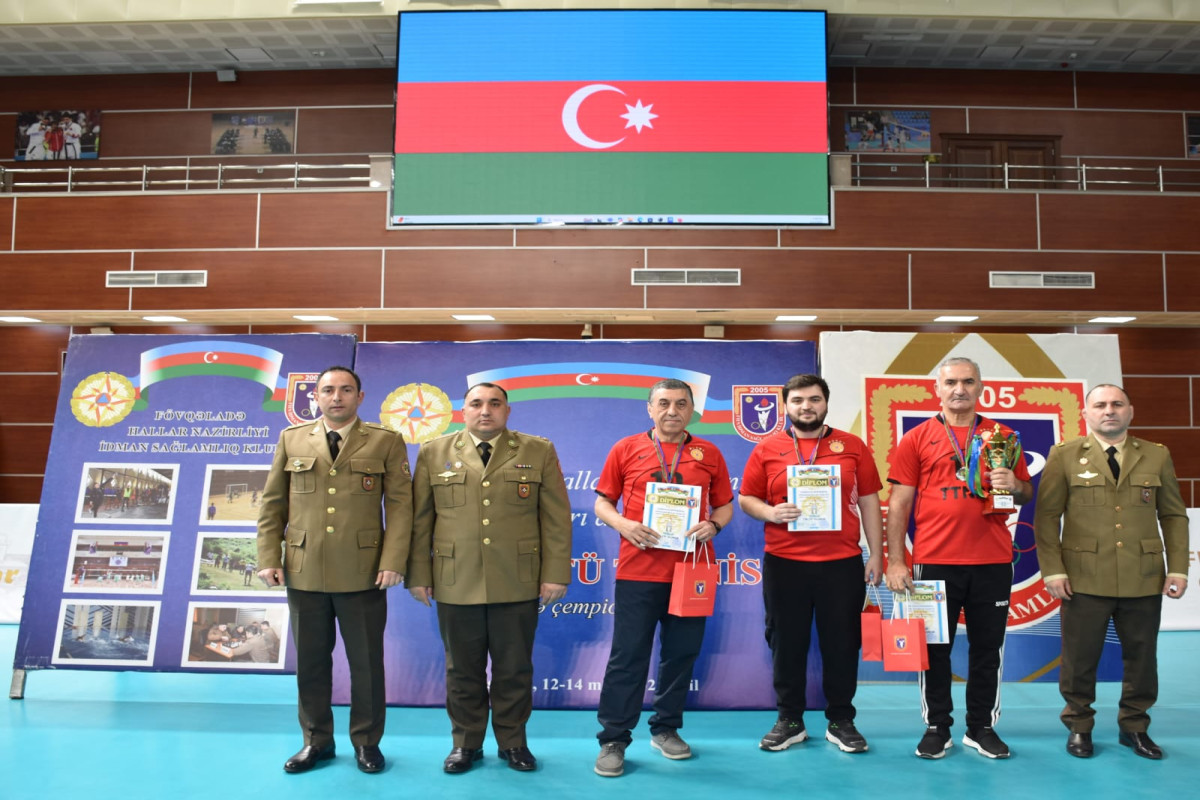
(101, 735)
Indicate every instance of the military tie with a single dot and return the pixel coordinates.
(1112, 463)
(485, 452)
(334, 439)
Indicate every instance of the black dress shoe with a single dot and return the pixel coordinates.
(1142, 744)
(461, 759)
(519, 758)
(308, 757)
(1080, 745)
(369, 758)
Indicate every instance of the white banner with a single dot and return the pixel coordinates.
(1184, 614)
(17, 524)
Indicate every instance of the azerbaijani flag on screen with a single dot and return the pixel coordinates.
(683, 116)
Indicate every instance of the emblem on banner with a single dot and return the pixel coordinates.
(103, 399)
(300, 404)
(757, 411)
(420, 411)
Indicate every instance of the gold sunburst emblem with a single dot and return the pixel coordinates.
(103, 399)
(420, 411)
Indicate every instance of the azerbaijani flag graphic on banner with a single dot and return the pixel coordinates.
(218, 357)
(704, 115)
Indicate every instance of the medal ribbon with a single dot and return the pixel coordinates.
(662, 457)
(958, 451)
(796, 445)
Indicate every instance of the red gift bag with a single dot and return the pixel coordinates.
(872, 630)
(694, 587)
(904, 644)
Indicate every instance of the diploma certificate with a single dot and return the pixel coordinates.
(671, 510)
(928, 602)
(817, 490)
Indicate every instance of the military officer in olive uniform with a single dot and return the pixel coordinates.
(491, 536)
(1106, 560)
(339, 496)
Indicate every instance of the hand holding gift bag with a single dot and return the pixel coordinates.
(694, 587)
(904, 644)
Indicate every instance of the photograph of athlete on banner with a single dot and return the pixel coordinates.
(116, 562)
(232, 494)
(236, 636)
(119, 633)
(253, 132)
(227, 563)
(132, 494)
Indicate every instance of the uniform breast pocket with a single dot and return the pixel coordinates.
(368, 475)
(1145, 490)
(529, 560)
(521, 486)
(1086, 491)
(303, 480)
(449, 491)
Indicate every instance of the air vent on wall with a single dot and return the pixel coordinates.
(174, 278)
(1042, 280)
(687, 277)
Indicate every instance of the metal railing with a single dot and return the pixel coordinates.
(1078, 176)
(148, 177)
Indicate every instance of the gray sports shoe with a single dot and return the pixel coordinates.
(611, 761)
(670, 745)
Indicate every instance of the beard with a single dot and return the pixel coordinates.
(808, 427)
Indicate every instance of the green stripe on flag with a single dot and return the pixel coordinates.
(611, 183)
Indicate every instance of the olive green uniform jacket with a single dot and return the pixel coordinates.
(494, 534)
(343, 522)
(1104, 534)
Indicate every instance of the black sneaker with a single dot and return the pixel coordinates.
(935, 742)
(785, 734)
(986, 742)
(846, 737)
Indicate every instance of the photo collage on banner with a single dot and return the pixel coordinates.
(145, 551)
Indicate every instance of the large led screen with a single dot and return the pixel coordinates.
(605, 117)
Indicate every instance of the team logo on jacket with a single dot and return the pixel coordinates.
(756, 411)
(300, 405)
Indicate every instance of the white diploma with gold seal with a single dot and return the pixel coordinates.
(816, 489)
(928, 602)
(671, 510)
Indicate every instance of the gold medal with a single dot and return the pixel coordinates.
(961, 474)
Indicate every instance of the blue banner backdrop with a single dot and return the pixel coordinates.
(584, 396)
(145, 534)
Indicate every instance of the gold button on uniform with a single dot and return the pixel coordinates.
(333, 473)
(329, 529)
(1118, 526)
(332, 490)
(487, 484)
(487, 522)
(1118, 508)
(487, 541)
(330, 510)
(1120, 544)
(487, 502)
